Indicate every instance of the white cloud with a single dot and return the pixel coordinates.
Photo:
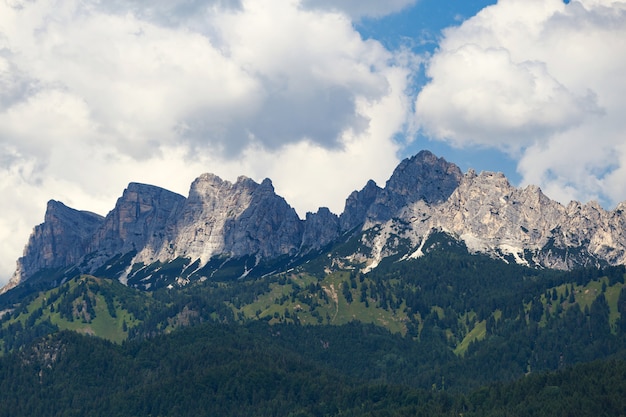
(310, 80)
(480, 96)
(544, 81)
(94, 95)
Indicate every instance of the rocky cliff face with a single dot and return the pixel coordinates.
(490, 216)
(248, 221)
(152, 224)
(320, 229)
(59, 241)
(141, 215)
(424, 177)
(486, 212)
(357, 206)
(220, 217)
(268, 227)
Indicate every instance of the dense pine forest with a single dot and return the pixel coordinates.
(224, 370)
(446, 334)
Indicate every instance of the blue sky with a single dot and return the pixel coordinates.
(419, 25)
(318, 95)
(419, 28)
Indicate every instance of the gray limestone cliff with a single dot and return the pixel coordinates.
(232, 219)
(424, 177)
(268, 227)
(59, 241)
(357, 206)
(491, 216)
(320, 229)
(424, 195)
(140, 215)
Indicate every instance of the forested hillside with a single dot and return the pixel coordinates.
(430, 335)
(226, 370)
(499, 320)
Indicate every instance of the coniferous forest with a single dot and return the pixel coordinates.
(447, 334)
(215, 369)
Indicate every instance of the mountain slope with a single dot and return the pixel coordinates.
(244, 229)
(220, 370)
(490, 216)
(445, 316)
(440, 281)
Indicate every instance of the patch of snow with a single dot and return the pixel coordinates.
(124, 278)
(419, 252)
(515, 251)
(247, 271)
(377, 251)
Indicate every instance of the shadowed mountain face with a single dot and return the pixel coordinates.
(424, 177)
(240, 226)
(61, 240)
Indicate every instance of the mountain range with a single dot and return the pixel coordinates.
(438, 285)
(154, 237)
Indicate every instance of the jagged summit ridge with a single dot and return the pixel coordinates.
(221, 221)
(220, 217)
(490, 216)
(423, 177)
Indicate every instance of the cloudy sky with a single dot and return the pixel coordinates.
(318, 95)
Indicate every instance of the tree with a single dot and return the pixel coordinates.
(599, 316)
(347, 294)
(621, 308)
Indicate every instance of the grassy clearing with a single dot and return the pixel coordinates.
(310, 301)
(584, 296)
(101, 323)
(367, 311)
(612, 295)
(479, 332)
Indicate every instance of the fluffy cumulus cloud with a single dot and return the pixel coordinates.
(95, 94)
(542, 80)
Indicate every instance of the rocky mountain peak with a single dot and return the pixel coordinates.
(268, 226)
(423, 177)
(248, 183)
(357, 205)
(320, 228)
(140, 215)
(267, 184)
(206, 184)
(232, 219)
(247, 222)
(59, 241)
(488, 212)
(141, 210)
